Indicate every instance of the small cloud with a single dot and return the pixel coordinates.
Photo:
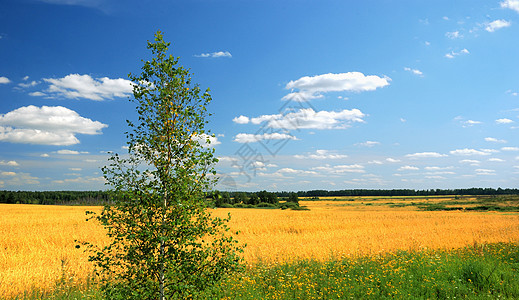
(511, 4)
(485, 172)
(494, 140)
(425, 155)
(321, 154)
(497, 24)
(414, 71)
(496, 159)
(75, 86)
(510, 148)
(471, 152)
(70, 152)
(453, 35)
(408, 168)
(392, 160)
(241, 120)
(427, 43)
(10, 163)
(215, 54)
(25, 78)
(403, 120)
(472, 162)
(368, 144)
(250, 138)
(504, 121)
(4, 80)
(29, 84)
(37, 94)
(453, 54)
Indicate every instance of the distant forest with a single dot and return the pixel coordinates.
(103, 197)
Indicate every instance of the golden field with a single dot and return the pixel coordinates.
(37, 247)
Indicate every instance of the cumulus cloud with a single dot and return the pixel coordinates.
(321, 154)
(368, 144)
(511, 4)
(70, 152)
(504, 121)
(408, 168)
(340, 169)
(414, 71)
(203, 138)
(10, 163)
(494, 140)
(46, 125)
(485, 172)
(453, 35)
(307, 118)
(497, 24)
(510, 148)
(241, 120)
(471, 162)
(392, 160)
(425, 155)
(453, 54)
(471, 152)
(251, 138)
(4, 80)
(75, 86)
(311, 87)
(215, 54)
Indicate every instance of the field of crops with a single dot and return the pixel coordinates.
(37, 248)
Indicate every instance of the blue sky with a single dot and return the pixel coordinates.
(306, 94)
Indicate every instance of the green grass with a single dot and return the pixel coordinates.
(482, 271)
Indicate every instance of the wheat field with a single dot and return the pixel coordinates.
(37, 248)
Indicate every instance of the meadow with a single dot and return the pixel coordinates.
(340, 247)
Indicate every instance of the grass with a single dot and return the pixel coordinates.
(479, 271)
(38, 254)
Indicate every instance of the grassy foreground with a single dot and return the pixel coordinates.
(479, 271)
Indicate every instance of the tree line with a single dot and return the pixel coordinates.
(251, 198)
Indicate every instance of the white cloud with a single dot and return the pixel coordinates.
(48, 125)
(251, 138)
(215, 54)
(29, 84)
(485, 172)
(321, 154)
(10, 163)
(414, 71)
(504, 121)
(497, 24)
(469, 123)
(471, 162)
(510, 148)
(494, 140)
(67, 152)
(4, 80)
(438, 168)
(408, 168)
(75, 86)
(311, 87)
(425, 155)
(241, 120)
(470, 152)
(202, 140)
(368, 144)
(453, 35)
(37, 94)
(340, 169)
(496, 159)
(307, 118)
(453, 54)
(511, 4)
(392, 160)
